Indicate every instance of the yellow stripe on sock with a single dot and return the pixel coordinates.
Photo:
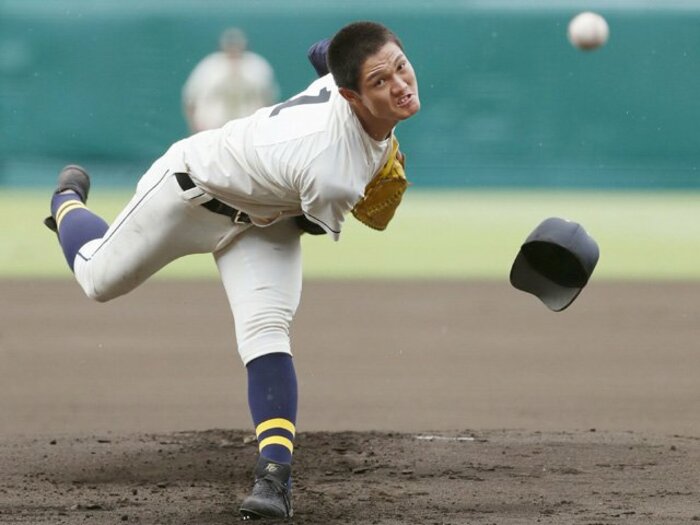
(276, 440)
(68, 204)
(67, 207)
(279, 422)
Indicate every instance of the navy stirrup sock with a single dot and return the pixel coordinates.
(76, 224)
(272, 397)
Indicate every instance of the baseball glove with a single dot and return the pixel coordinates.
(384, 192)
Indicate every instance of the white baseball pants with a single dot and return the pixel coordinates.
(260, 267)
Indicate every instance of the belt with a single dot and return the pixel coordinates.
(214, 205)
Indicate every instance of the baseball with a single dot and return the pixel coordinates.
(588, 31)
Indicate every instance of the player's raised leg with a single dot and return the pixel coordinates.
(70, 218)
(261, 273)
(161, 223)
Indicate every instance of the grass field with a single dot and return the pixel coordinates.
(469, 234)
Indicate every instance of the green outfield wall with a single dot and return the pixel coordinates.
(506, 100)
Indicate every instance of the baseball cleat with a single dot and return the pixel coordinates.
(50, 223)
(71, 177)
(271, 497)
(74, 177)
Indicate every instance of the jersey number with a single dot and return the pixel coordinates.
(323, 96)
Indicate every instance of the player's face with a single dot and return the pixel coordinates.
(388, 85)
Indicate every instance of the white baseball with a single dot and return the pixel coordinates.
(588, 31)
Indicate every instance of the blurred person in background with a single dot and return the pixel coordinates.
(227, 84)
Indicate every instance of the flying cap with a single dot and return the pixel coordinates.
(555, 262)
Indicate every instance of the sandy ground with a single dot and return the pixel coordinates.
(433, 402)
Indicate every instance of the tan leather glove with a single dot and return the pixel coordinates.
(384, 192)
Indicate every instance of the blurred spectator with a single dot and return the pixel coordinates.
(228, 84)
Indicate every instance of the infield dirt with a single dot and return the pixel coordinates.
(420, 402)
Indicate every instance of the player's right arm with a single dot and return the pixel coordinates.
(317, 54)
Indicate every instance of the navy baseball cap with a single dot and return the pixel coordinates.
(555, 262)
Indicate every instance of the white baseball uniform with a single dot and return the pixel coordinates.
(307, 155)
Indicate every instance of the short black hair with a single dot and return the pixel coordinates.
(351, 46)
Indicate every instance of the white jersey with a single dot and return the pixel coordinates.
(307, 155)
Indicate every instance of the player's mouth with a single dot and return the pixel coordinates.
(404, 100)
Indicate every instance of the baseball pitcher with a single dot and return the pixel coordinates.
(245, 193)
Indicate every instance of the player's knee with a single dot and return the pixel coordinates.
(97, 284)
(95, 294)
(97, 297)
(96, 289)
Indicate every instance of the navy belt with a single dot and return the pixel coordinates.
(216, 206)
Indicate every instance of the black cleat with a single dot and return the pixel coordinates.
(71, 177)
(271, 497)
(74, 177)
(50, 223)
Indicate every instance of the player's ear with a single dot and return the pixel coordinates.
(348, 94)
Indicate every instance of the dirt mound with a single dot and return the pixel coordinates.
(356, 478)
